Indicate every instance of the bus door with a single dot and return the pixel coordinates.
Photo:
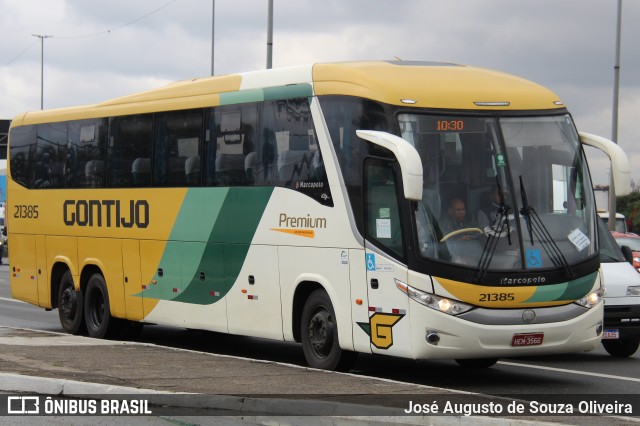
(389, 330)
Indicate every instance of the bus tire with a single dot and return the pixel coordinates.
(621, 348)
(70, 305)
(319, 334)
(477, 363)
(97, 311)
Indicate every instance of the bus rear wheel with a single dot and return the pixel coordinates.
(319, 333)
(97, 311)
(621, 348)
(70, 304)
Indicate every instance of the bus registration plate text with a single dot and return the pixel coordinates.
(527, 339)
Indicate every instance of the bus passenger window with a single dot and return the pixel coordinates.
(130, 140)
(23, 150)
(178, 136)
(51, 154)
(231, 139)
(87, 143)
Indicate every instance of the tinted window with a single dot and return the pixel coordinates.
(23, 151)
(344, 115)
(51, 155)
(288, 127)
(265, 143)
(233, 135)
(178, 141)
(86, 153)
(130, 139)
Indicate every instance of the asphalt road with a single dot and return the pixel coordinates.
(580, 373)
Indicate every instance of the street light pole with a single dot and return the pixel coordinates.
(42, 37)
(213, 32)
(614, 124)
(270, 36)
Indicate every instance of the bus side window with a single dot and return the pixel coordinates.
(23, 149)
(51, 154)
(230, 141)
(178, 136)
(86, 143)
(130, 139)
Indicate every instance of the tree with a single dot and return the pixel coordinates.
(629, 206)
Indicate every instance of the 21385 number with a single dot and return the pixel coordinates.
(497, 297)
(23, 211)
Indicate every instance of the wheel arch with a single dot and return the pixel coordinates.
(303, 290)
(87, 271)
(57, 271)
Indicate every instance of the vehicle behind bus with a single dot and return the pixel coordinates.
(620, 222)
(621, 336)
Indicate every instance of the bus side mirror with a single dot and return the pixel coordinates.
(407, 156)
(619, 161)
(627, 253)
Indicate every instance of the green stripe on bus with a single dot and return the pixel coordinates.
(221, 263)
(288, 92)
(198, 213)
(580, 287)
(203, 272)
(571, 290)
(242, 97)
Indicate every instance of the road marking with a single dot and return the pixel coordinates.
(563, 370)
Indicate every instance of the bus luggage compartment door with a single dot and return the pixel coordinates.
(23, 268)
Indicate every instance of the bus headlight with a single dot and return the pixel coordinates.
(591, 299)
(442, 304)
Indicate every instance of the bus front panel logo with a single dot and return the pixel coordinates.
(380, 329)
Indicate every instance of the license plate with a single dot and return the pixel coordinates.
(527, 339)
(612, 333)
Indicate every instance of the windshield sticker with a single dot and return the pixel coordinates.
(500, 160)
(534, 258)
(383, 228)
(579, 239)
(385, 213)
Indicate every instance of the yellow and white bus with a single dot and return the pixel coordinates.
(309, 204)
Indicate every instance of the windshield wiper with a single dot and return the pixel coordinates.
(502, 218)
(536, 228)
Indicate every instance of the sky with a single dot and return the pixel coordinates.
(105, 49)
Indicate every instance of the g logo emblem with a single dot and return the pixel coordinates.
(381, 329)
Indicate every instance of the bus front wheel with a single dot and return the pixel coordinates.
(97, 312)
(70, 304)
(319, 333)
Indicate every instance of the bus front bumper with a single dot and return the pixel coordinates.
(436, 335)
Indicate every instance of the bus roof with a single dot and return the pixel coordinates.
(411, 84)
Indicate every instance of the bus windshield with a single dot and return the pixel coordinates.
(508, 193)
